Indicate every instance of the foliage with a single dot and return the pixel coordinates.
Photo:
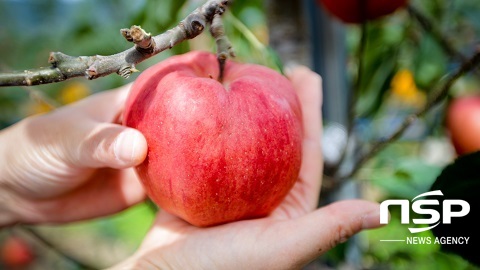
(403, 63)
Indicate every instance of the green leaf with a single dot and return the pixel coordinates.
(431, 62)
(379, 63)
(409, 178)
(461, 181)
(376, 88)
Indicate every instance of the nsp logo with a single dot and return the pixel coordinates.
(417, 207)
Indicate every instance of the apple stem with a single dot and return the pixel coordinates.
(63, 67)
(224, 47)
(221, 66)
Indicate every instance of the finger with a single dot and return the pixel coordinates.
(321, 230)
(111, 192)
(309, 90)
(108, 145)
(84, 135)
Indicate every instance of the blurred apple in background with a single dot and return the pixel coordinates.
(463, 123)
(16, 253)
(359, 11)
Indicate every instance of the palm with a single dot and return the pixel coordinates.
(102, 193)
(243, 242)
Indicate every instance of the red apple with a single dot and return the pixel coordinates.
(217, 151)
(15, 252)
(358, 11)
(463, 124)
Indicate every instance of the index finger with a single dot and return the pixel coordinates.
(308, 85)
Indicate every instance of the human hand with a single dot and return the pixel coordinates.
(70, 164)
(293, 235)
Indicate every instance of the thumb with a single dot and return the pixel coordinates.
(111, 145)
(323, 229)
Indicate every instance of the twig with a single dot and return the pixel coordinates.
(65, 67)
(36, 94)
(353, 99)
(440, 95)
(428, 27)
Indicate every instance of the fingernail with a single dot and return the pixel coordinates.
(128, 147)
(371, 220)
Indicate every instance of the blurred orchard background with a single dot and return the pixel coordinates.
(375, 75)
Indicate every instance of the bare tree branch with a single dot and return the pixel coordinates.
(355, 94)
(430, 28)
(65, 67)
(468, 66)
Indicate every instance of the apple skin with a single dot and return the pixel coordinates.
(217, 152)
(350, 11)
(463, 124)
